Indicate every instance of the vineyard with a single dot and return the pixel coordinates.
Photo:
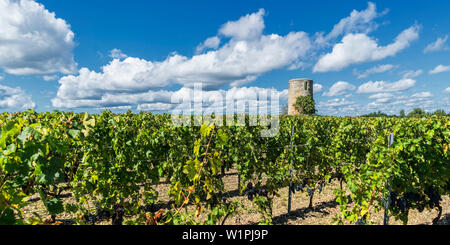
(113, 165)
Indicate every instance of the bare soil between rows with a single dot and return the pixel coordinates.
(324, 208)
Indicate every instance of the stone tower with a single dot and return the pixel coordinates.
(298, 87)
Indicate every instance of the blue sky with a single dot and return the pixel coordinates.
(147, 55)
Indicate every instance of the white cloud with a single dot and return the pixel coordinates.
(50, 77)
(212, 42)
(409, 102)
(157, 100)
(373, 70)
(14, 99)
(33, 40)
(117, 54)
(240, 60)
(384, 102)
(359, 48)
(317, 88)
(447, 90)
(439, 69)
(248, 27)
(337, 107)
(339, 88)
(438, 45)
(358, 21)
(411, 73)
(422, 95)
(155, 107)
(390, 103)
(122, 108)
(382, 86)
(381, 96)
(337, 102)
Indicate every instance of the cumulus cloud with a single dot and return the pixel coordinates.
(374, 70)
(245, 56)
(339, 88)
(14, 99)
(358, 21)
(210, 43)
(161, 99)
(439, 69)
(248, 27)
(385, 102)
(411, 73)
(33, 40)
(360, 48)
(117, 54)
(422, 100)
(337, 102)
(317, 88)
(121, 108)
(50, 77)
(438, 45)
(422, 95)
(447, 90)
(338, 106)
(382, 86)
(155, 107)
(381, 96)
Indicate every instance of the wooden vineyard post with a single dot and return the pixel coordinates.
(290, 173)
(387, 199)
(239, 182)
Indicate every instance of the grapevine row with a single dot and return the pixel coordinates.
(115, 161)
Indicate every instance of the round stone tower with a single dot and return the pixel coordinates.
(298, 87)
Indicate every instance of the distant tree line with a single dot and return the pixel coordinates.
(417, 112)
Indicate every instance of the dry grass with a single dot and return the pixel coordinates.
(323, 211)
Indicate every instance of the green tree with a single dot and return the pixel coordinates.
(376, 114)
(306, 105)
(402, 113)
(440, 113)
(417, 112)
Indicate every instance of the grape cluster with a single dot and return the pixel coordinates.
(224, 200)
(361, 221)
(103, 214)
(338, 176)
(253, 191)
(216, 199)
(434, 197)
(320, 188)
(150, 208)
(406, 202)
(300, 187)
(25, 189)
(89, 218)
(117, 217)
(350, 200)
